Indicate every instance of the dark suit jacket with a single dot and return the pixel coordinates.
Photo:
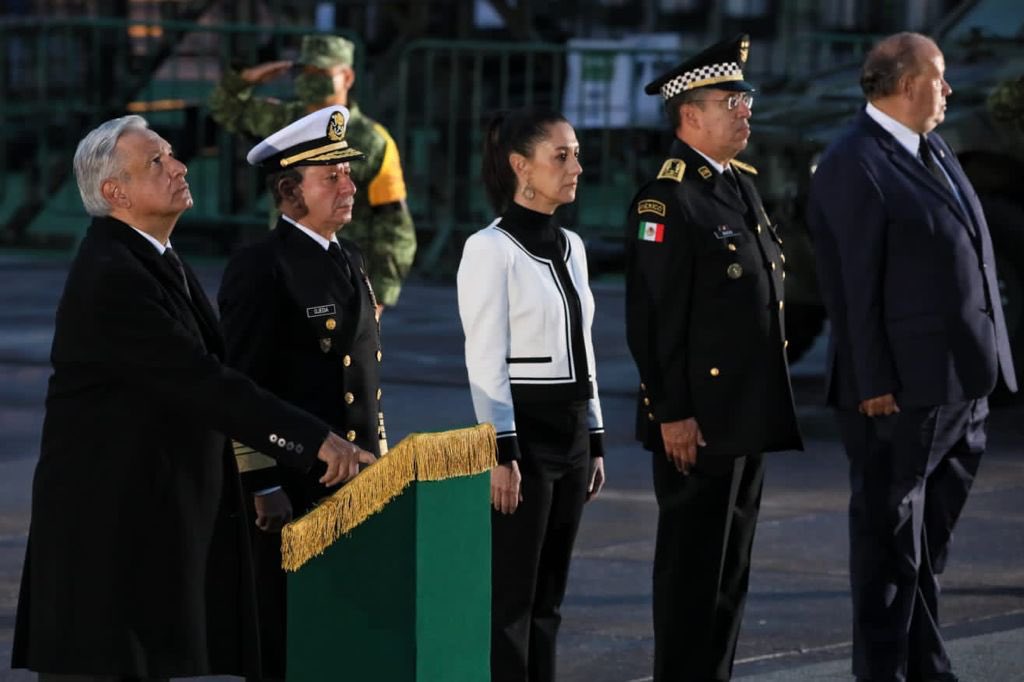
(703, 315)
(137, 560)
(907, 275)
(299, 328)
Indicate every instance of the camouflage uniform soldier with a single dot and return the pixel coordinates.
(381, 224)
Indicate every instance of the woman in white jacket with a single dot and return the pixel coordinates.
(527, 310)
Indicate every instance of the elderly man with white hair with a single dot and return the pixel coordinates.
(138, 563)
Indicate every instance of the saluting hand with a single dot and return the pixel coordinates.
(343, 459)
(268, 71)
(879, 406)
(505, 487)
(681, 439)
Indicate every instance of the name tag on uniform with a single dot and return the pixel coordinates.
(724, 232)
(320, 310)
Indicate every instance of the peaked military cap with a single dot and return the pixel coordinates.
(720, 66)
(316, 139)
(325, 51)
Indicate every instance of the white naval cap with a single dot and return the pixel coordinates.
(316, 139)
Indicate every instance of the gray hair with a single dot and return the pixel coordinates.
(673, 104)
(96, 160)
(889, 61)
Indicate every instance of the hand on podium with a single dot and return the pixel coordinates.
(343, 459)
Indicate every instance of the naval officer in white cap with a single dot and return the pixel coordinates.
(299, 318)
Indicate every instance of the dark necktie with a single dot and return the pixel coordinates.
(924, 152)
(730, 175)
(179, 268)
(334, 249)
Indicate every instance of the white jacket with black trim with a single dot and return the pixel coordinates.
(515, 317)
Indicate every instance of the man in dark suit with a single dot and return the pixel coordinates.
(298, 314)
(918, 342)
(704, 317)
(138, 564)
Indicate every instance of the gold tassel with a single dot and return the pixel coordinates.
(420, 456)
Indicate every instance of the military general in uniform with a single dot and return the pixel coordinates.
(704, 318)
(381, 223)
(298, 313)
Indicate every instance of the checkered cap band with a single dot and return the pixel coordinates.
(698, 78)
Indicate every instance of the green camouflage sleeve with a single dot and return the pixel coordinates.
(233, 106)
(391, 250)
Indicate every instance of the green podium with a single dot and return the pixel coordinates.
(390, 578)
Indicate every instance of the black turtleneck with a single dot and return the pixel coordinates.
(540, 234)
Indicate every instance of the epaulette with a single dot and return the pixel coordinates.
(746, 167)
(672, 169)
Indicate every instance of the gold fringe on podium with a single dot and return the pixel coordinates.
(419, 457)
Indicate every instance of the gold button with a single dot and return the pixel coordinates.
(731, 247)
(783, 257)
(349, 398)
(759, 229)
(379, 356)
(347, 360)
(734, 271)
(647, 401)
(781, 305)
(642, 387)
(330, 323)
(351, 435)
(783, 274)
(785, 344)
(379, 393)
(714, 372)
(773, 265)
(650, 417)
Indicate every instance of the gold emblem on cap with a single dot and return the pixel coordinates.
(735, 271)
(331, 323)
(336, 127)
(744, 50)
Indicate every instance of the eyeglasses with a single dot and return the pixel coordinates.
(733, 101)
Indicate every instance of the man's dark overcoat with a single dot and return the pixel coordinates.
(137, 560)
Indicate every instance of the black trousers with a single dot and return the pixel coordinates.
(910, 475)
(706, 523)
(531, 550)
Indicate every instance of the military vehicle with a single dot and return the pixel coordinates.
(983, 43)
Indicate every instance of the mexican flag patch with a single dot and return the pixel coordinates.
(651, 232)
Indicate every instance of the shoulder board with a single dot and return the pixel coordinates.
(746, 167)
(672, 169)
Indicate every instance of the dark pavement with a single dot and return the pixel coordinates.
(797, 621)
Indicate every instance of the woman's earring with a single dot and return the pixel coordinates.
(529, 192)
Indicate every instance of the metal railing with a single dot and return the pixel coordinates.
(61, 77)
